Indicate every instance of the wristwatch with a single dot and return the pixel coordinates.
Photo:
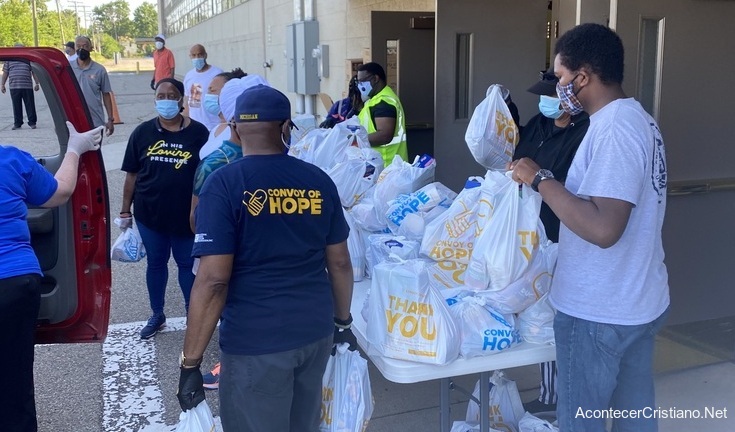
(541, 175)
(188, 362)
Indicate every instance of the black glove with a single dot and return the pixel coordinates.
(328, 123)
(345, 336)
(153, 84)
(191, 388)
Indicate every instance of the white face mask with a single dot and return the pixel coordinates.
(365, 88)
(159, 45)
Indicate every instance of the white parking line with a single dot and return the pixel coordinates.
(132, 398)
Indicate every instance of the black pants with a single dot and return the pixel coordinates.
(20, 300)
(24, 96)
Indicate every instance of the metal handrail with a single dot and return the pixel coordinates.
(692, 187)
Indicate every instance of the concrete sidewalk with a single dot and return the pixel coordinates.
(686, 377)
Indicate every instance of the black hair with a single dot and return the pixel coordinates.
(234, 73)
(352, 90)
(374, 69)
(70, 44)
(593, 46)
(176, 83)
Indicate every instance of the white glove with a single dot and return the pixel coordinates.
(80, 143)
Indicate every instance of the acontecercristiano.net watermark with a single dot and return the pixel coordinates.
(649, 412)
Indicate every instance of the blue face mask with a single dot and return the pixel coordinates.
(168, 109)
(365, 88)
(550, 107)
(198, 63)
(211, 104)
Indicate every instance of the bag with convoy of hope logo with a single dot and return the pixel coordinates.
(129, 246)
(409, 319)
(483, 331)
(452, 235)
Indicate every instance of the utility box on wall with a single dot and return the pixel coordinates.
(303, 68)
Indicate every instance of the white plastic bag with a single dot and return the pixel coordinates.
(525, 291)
(506, 408)
(347, 400)
(356, 246)
(197, 419)
(536, 323)
(400, 178)
(129, 246)
(304, 148)
(509, 239)
(452, 235)
(305, 123)
(444, 275)
(531, 423)
(406, 212)
(356, 174)
(492, 134)
(482, 330)
(460, 426)
(383, 246)
(409, 320)
(333, 147)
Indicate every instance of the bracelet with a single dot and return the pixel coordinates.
(343, 324)
(122, 213)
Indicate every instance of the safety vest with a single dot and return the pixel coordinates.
(397, 146)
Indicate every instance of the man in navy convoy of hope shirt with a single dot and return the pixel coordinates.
(272, 239)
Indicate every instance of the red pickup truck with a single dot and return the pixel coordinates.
(72, 242)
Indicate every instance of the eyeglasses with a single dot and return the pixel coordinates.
(170, 96)
(367, 78)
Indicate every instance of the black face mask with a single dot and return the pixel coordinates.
(83, 54)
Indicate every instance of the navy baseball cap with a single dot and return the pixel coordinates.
(262, 103)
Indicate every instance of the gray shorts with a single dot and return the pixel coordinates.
(276, 392)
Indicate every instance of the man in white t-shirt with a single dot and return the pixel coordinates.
(610, 287)
(196, 83)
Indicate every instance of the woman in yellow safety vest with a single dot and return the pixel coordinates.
(382, 115)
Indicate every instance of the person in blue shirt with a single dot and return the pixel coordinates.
(275, 267)
(24, 182)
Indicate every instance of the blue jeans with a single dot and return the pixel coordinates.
(158, 247)
(602, 366)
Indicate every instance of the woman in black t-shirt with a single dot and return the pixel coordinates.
(160, 161)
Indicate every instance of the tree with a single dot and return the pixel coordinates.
(145, 20)
(114, 18)
(16, 23)
(109, 46)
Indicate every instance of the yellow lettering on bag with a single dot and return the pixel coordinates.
(529, 241)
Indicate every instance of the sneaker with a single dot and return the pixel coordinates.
(211, 379)
(536, 406)
(32, 126)
(16, 127)
(155, 323)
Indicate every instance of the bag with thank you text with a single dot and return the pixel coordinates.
(409, 319)
(506, 408)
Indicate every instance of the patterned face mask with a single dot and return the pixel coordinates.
(568, 98)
